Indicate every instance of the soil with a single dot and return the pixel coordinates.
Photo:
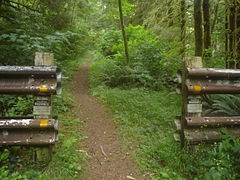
(109, 160)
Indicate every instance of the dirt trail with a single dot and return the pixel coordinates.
(109, 160)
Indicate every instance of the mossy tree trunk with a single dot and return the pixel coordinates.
(123, 32)
(198, 27)
(226, 33)
(237, 34)
(232, 26)
(183, 27)
(207, 30)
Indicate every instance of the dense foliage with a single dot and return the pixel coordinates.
(152, 63)
(26, 27)
(159, 34)
(29, 27)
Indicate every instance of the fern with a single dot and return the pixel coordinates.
(228, 105)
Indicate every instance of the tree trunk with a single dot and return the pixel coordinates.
(206, 23)
(123, 32)
(215, 17)
(232, 20)
(183, 27)
(170, 13)
(198, 27)
(237, 34)
(227, 34)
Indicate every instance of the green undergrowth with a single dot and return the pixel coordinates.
(16, 163)
(145, 118)
(68, 157)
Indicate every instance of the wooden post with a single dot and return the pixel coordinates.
(44, 59)
(191, 104)
(42, 106)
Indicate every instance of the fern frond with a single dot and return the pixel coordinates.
(223, 105)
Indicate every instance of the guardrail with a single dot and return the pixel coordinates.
(192, 126)
(26, 131)
(30, 80)
(42, 81)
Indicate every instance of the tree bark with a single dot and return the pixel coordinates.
(237, 34)
(170, 13)
(226, 33)
(206, 24)
(215, 17)
(198, 27)
(123, 32)
(231, 45)
(183, 27)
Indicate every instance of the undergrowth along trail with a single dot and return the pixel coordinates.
(145, 118)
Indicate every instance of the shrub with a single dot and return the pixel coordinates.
(222, 105)
(153, 64)
(109, 39)
(15, 105)
(113, 74)
(29, 33)
(223, 160)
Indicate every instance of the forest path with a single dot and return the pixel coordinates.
(110, 161)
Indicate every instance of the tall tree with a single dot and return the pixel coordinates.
(237, 34)
(206, 24)
(232, 19)
(215, 17)
(123, 31)
(183, 27)
(198, 27)
(232, 26)
(227, 54)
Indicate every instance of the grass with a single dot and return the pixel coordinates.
(145, 121)
(145, 118)
(68, 158)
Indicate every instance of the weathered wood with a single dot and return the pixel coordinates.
(44, 59)
(195, 81)
(43, 154)
(193, 62)
(177, 124)
(207, 135)
(191, 104)
(196, 122)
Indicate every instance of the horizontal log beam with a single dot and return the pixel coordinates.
(208, 73)
(30, 80)
(207, 135)
(212, 121)
(21, 137)
(26, 70)
(27, 123)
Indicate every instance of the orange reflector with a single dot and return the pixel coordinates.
(43, 123)
(43, 88)
(197, 89)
